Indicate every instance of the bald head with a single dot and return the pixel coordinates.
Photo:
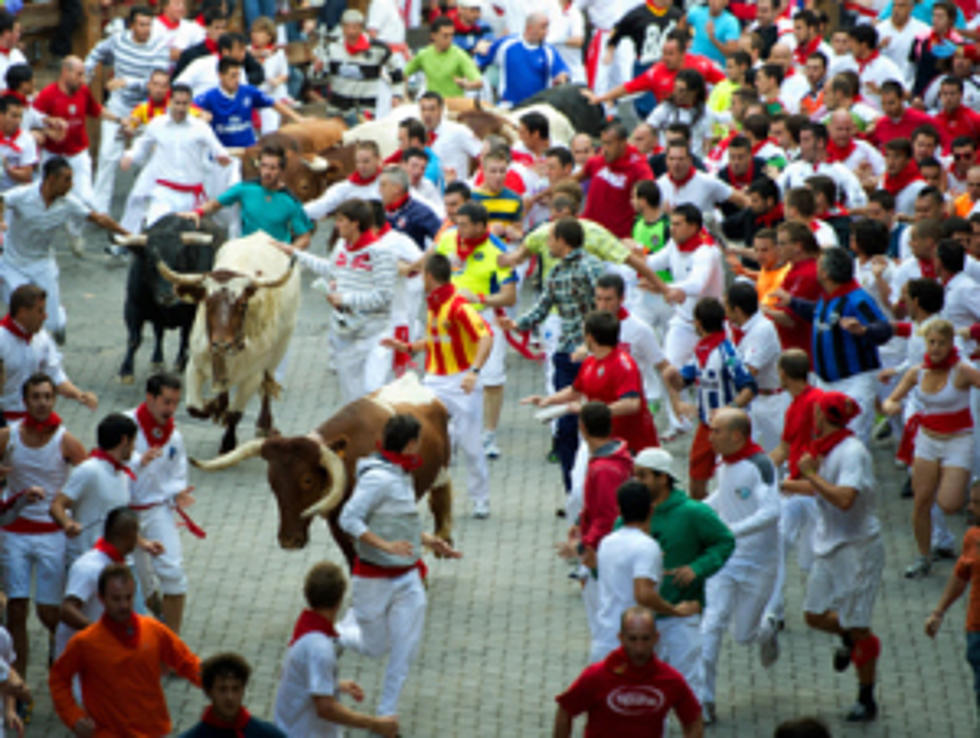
(729, 431)
(72, 74)
(639, 616)
(781, 54)
(535, 28)
(735, 420)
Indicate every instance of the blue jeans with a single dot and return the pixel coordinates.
(330, 12)
(566, 436)
(973, 656)
(255, 8)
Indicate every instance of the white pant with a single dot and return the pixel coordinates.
(576, 496)
(43, 273)
(679, 346)
(166, 200)
(389, 615)
(861, 388)
(590, 598)
(216, 181)
(111, 149)
(975, 409)
(735, 596)
(465, 428)
(494, 371)
(158, 524)
(351, 358)
(797, 522)
(40, 553)
(768, 412)
(680, 646)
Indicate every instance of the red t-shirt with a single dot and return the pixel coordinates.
(968, 569)
(610, 184)
(887, 129)
(73, 109)
(798, 427)
(602, 479)
(963, 122)
(659, 80)
(800, 281)
(612, 378)
(628, 701)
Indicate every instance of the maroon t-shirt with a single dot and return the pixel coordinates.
(74, 109)
(610, 184)
(800, 281)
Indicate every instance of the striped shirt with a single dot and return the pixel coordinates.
(355, 79)
(130, 61)
(504, 207)
(452, 333)
(838, 353)
(721, 378)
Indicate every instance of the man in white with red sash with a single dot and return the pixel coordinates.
(160, 463)
(362, 184)
(388, 598)
(39, 452)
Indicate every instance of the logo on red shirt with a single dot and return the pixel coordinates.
(634, 700)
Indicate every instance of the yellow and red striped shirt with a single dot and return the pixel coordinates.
(452, 332)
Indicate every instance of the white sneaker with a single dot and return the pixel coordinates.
(481, 510)
(768, 641)
(490, 447)
(77, 244)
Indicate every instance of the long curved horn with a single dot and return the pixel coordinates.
(338, 482)
(278, 281)
(316, 163)
(178, 279)
(245, 451)
(135, 239)
(196, 238)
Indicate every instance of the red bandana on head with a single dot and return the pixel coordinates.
(898, 182)
(362, 44)
(98, 453)
(127, 633)
(109, 550)
(407, 462)
(11, 325)
(707, 344)
(49, 423)
(312, 622)
(157, 434)
(838, 409)
(466, 246)
(360, 181)
(237, 725)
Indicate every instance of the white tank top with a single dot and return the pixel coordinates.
(948, 399)
(44, 467)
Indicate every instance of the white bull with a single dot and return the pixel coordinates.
(247, 308)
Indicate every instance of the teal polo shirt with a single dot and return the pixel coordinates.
(277, 212)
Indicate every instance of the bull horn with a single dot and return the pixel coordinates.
(196, 238)
(178, 279)
(278, 281)
(238, 455)
(316, 163)
(338, 477)
(134, 239)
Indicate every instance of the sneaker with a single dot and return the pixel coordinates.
(59, 336)
(769, 641)
(77, 244)
(560, 512)
(552, 457)
(490, 447)
(907, 492)
(842, 658)
(579, 573)
(481, 510)
(862, 713)
(943, 552)
(708, 714)
(918, 568)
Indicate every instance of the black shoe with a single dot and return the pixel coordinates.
(862, 713)
(907, 489)
(940, 553)
(842, 658)
(559, 512)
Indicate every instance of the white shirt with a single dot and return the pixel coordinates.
(666, 113)
(641, 343)
(95, 488)
(83, 585)
(905, 199)
(907, 270)
(847, 465)
(893, 350)
(747, 501)
(202, 74)
(275, 65)
(569, 23)
(760, 349)
(455, 145)
(792, 90)
(624, 556)
(31, 224)
(900, 44)
(310, 670)
(962, 306)
(25, 155)
(41, 466)
(386, 20)
(8, 60)
(336, 193)
(878, 71)
(698, 273)
(187, 33)
(180, 150)
(21, 360)
(865, 153)
(407, 298)
(159, 481)
(798, 172)
(603, 14)
(702, 190)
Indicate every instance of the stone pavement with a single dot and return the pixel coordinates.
(505, 628)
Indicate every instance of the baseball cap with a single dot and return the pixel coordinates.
(655, 459)
(352, 16)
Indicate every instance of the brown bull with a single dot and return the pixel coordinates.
(315, 474)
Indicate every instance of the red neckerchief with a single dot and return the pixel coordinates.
(5, 51)
(312, 622)
(362, 44)
(98, 453)
(211, 45)
(897, 183)
(49, 423)
(706, 345)
(622, 313)
(357, 179)
(759, 144)
(127, 633)
(237, 725)
(825, 444)
(840, 153)
(431, 138)
(687, 177)
(751, 448)
(844, 289)
(863, 63)
(686, 247)
(383, 229)
(744, 180)
(466, 246)
(738, 333)
(928, 268)
(200, 20)
(802, 53)
(722, 146)
(109, 550)
(365, 239)
(10, 324)
(440, 296)
(770, 218)
(157, 434)
(11, 141)
(18, 96)
(948, 363)
(393, 206)
(836, 211)
(407, 462)
(154, 109)
(459, 26)
(169, 24)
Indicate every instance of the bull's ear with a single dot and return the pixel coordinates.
(190, 293)
(338, 446)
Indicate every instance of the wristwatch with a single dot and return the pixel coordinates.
(475, 369)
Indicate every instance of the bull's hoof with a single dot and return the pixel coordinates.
(227, 445)
(193, 411)
(126, 379)
(266, 432)
(158, 366)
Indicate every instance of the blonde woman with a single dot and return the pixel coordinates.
(944, 437)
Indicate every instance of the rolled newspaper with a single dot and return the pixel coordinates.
(548, 414)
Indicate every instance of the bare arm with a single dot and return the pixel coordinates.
(737, 198)
(71, 613)
(69, 390)
(955, 587)
(59, 513)
(837, 495)
(653, 280)
(287, 112)
(72, 450)
(506, 297)
(302, 242)
(563, 724)
(892, 405)
(695, 729)
(104, 221)
(779, 454)
(625, 406)
(645, 593)
(330, 709)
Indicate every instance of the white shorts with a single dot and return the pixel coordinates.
(494, 372)
(158, 524)
(847, 580)
(41, 552)
(949, 451)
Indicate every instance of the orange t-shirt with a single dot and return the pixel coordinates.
(963, 205)
(968, 569)
(769, 280)
(120, 685)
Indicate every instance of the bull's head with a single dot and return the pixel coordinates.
(307, 477)
(225, 295)
(149, 248)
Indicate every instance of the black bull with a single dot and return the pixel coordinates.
(151, 299)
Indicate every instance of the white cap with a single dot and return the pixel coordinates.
(469, 4)
(655, 459)
(352, 15)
